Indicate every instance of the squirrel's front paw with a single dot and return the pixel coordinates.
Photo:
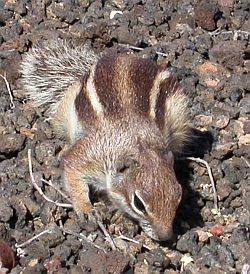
(96, 213)
(93, 214)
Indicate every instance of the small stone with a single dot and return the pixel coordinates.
(141, 268)
(6, 211)
(121, 245)
(120, 4)
(206, 67)
(222, 149)
(228, 53)
(204, 14)
(188, 242)
(244, 140)
(203, 236)
(53, 265)
(237, 202)
(202, 122)
(217, 230)
(221, 121)
(155, 258)
(123, 35)
(246, 126)
(229, 4)
(223, 189)
(238, 128)
(11, 143)
(212, 83)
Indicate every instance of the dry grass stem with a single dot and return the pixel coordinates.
(246, 161)
(107, 235)
(235, 33)
(57, 189)
(140, 49)
(39, 189)
(80, 236)
(12, 104)
(49, 230)
(133, 241)
(209, 170)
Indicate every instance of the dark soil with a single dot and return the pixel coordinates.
(206, 45)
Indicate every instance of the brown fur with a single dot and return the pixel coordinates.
(125, 117)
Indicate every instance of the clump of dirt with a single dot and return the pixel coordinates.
(206, 44)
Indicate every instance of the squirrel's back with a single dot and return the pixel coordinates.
(84, 88)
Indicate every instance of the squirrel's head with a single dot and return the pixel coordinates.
(145, 187)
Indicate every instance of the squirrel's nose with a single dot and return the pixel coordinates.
(163, 235)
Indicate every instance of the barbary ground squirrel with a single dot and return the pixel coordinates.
(124, 117)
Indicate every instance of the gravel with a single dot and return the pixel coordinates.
(206, 45)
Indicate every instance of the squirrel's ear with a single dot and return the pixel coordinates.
(169, 157)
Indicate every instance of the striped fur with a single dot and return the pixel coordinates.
(125, 117)
(120, 85)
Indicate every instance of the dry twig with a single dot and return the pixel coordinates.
(140, 49)
(57, 189)
(245, 268)
(246, 161)
(12, 104)
(133, 241)
(49, 230)
(80, 236)
(39, 189)
(198, 160)
(235, 33)
(107, 235)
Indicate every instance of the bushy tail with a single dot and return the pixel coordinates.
(49, 69)
(177, 128)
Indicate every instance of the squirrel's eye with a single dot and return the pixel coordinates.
(139, 204)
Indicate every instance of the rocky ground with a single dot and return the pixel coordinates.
(206, 45)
